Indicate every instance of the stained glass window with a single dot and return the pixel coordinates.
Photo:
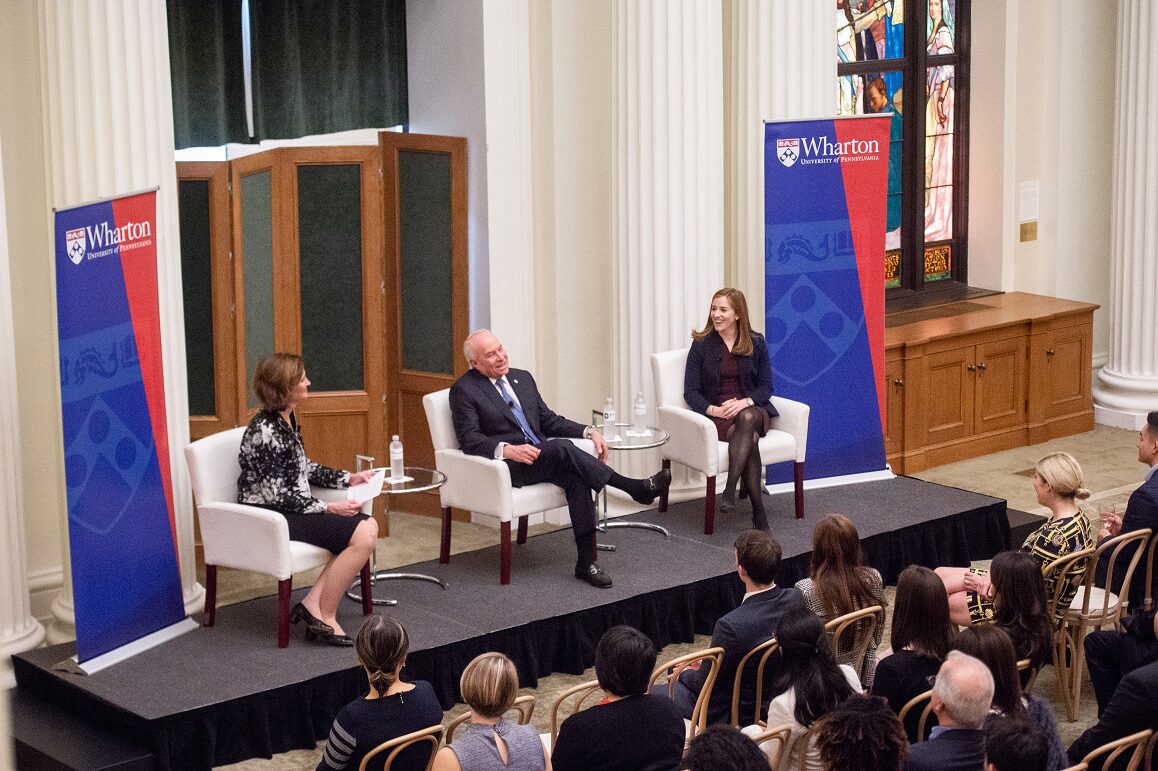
(879, 59)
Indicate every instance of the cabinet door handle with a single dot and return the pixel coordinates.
(970, 367)
(981, 366)
(1049, 351)
(898, 382)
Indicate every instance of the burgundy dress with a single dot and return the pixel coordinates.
(730, 389)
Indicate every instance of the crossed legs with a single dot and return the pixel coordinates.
(744, 464)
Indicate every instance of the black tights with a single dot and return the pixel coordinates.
(744, 461)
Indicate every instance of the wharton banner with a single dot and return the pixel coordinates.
(121, 529)
(825, 186)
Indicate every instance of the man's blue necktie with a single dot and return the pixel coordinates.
(518, 410)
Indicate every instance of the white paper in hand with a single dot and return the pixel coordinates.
(371, 488)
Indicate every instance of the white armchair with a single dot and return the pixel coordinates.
(483, 485)
(695, 444)
(235, 535)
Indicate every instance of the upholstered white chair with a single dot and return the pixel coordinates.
(483, 485)
(235, 535)
(695, 444)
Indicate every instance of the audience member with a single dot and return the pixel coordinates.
(754, 621)
(993, 647)
(810, 683)
(1020, 606)
(490, 741)
(723, 747)
(1132, 708)
(392, 708)
(1057, 480)
(962, 694)
(631, 730)
(921, 635)
(839, 582)
(1015, 745)
(1111, 655)
(1141, 512)
(862, 732)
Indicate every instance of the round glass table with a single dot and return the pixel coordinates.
(625, 439)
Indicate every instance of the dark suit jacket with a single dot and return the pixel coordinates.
(702, 373)
(738, 632)
(1133, 708)
(958, 749)
(1141, 511)
(482, 419)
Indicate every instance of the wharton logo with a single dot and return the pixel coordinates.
(75, 245)
(788, 151)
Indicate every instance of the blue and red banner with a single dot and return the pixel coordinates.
(825, 192)
(121, 529)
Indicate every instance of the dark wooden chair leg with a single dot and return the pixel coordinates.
(444, 550)
(284, 587)
(710, 507)
(504, 553)
(798, 488)
(522, 536)
(367, 591)
(210, 595)
(663, 495)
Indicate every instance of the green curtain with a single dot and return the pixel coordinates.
(205, 62)
(321, 66)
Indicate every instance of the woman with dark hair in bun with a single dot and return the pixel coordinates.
(392, 708)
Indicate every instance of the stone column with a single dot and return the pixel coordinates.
(19, 631)
(108, 118)
(780, 65)
(1127, 387)
(667, 200)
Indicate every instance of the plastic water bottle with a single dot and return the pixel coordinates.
(609, 417)
(639, 415)
(397, 468)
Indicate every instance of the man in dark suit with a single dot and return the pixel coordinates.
(1111, 655)
(498, 413)
(1133, 708)
(1141, 511)
(961, 697)
(741, 630)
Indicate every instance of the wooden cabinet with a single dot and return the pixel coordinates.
(989, 374)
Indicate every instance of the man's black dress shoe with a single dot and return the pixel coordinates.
(654, 486)
(593, 574)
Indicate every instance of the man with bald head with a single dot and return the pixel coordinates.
(962, 695)
(498, 413)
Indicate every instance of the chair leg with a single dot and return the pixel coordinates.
(710, 507)
(367, 591)
(798, 488)
(522, 536)
(504, 553)
(210, 595)
(663, 495)
(284, 587)
(1076, 672)
(444, 550)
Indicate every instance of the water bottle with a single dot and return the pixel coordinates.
(397, 468)
(609, 417)
(639, 415)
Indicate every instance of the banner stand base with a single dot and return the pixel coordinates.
(126, 651)
(837, 481)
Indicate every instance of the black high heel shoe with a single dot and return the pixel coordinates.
(315, 627)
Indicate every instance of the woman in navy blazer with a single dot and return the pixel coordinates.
(728, 378)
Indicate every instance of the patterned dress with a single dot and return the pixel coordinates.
(276, 474)
(867, 668)
(1055, 539)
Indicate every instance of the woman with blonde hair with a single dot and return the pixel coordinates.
(492, 742)
(1057, 480)
(728, 378)
(839, 582)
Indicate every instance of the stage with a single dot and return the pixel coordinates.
(226, 694)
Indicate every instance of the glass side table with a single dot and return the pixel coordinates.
(625, 442)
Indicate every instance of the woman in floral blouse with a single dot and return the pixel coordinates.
(276, 474)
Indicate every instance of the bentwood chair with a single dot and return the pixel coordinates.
(483, 485)
(708, 657)
(853, 634)
(764, 650)
(923, 702)
(1063, 654)
(1094, 607)
(235, 535)
(1148, 602)
(431, 736)
(524, 705)
(574, 699)
(695, 443)
(1137, 743)
(773, 741)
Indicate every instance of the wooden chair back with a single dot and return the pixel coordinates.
(1060, 567)
(781, 735)
(1109, 609)
(853, 633)
(923, 702)
(1025, 665)
(524, 705)
(797, 757)
(710, 657)
(1149, 751)
(763, 650)
(573, 700)
(1063, 654)
(1148, 602)
(431, 736)
(1135, 744)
